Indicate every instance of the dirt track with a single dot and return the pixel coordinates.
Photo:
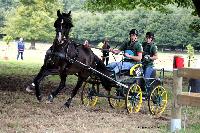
(20, 112)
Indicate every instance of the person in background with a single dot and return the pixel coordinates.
(20, 47)
(105, 51)
(132, 53)
(149, 55)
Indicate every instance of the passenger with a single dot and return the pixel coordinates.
(149, 54)
(132, 53)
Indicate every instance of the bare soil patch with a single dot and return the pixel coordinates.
(21, 112)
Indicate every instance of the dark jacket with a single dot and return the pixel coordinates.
(106, 47)
(20, 46)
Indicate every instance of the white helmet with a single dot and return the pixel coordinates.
(21, 39)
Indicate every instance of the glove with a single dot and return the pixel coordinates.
(147, 57)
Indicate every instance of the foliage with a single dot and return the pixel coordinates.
(195, 25)
(108, 5)
(7, 39)
(33, 20)
(170, 29)
(5, 7)
(72, 5)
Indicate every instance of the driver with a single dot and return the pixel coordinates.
(132, 53)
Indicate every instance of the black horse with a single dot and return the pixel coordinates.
(65, 57)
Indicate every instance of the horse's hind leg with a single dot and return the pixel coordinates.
(60, 87)
(75, 90)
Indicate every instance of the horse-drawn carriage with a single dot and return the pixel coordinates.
(130, 91)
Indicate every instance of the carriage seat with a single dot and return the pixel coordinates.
(136, 70)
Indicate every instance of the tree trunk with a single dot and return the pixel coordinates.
(32, 45)
(197, 6)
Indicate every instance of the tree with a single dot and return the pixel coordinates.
(33, 20)
(170, 29)
(72, 5)
(7, 39)
(107, 5)
(5, 7)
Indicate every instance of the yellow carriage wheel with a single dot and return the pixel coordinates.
(157, 101)
(117, 98)
(134, 98)
(89, 94)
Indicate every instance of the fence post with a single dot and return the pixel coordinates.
(176, 109)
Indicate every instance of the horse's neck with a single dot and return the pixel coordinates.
(71, 49)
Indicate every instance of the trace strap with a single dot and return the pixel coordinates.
(90, 68)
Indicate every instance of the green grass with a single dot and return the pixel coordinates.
(190, 128)
(19, 68)
(26, 69)
(190, 118)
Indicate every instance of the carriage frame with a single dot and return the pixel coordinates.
(130, 90)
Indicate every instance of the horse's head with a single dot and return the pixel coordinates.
(63, 25)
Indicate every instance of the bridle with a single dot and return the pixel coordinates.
(60, 32)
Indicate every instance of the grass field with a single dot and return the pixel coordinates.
(37, 56)
(20, 112)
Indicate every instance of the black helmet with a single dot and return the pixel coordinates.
(150, 35)
(133, 31)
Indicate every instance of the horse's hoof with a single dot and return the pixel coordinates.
(29, 89)
(39, 98)
(66, 105)
(50, 98)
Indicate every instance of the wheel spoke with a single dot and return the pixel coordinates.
(116, 101)
(88, 94)
(158, 100)
(134, 98)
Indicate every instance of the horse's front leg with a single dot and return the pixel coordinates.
(60, 87)
(75, 90)
(36, 82)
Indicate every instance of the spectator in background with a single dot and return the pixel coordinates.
(105, 51)
(20, 47)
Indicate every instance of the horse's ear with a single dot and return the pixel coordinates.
(69, 13)
(58, 13)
